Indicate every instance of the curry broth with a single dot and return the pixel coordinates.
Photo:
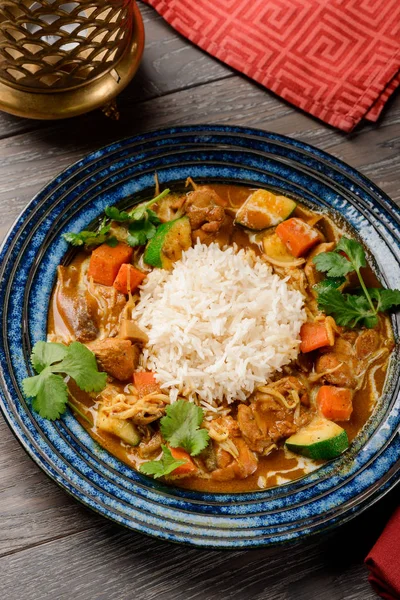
(278, 467)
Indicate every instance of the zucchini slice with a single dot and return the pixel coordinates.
(276, 249)
(264, 209)
(166, 247)
(125, 430)
(321, 440)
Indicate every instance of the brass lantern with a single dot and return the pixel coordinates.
(60, 58)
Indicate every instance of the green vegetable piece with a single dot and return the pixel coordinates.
(181, 427)
(48, 390)
(164, 466)
(166, 247)
(321, 440)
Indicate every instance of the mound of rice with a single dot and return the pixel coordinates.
(219, 324)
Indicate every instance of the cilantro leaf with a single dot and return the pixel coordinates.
(52, 396)
(152, 217)
(354, 252)
(116, 215)
(45, 354)
(347, 310)
(386, 299)
(328, 283)
(137, 238)
(48, 389)
(80, 364)
(333, 264)
(140, 232)
(164, 466)
(181, 427)
(112, 241)
(89, 238)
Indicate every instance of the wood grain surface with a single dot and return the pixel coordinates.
(53, 548)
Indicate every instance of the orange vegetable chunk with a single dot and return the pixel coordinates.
(145, 382)
(298, 236)
(315, 335)
(335, 403)
(128, 279)
(189, 466)
(106, 261)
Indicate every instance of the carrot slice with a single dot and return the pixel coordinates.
(298, 236)
(145, 383)
(128, 279)
(189, 466)
(315, 335)
(335, 403)
(105, 262)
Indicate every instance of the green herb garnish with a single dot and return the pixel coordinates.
(90, 238)
(52, 362)
(142, 225)
(363, 305)
(164, 466)
(181, 429)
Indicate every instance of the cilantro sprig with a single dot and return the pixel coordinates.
(92, 238)
(181, 429)
(52, 362)
(164, 466)
(363, 305)
(141, 222)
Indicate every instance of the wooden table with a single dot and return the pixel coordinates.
(51, 547)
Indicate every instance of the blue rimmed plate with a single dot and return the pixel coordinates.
(29, 257)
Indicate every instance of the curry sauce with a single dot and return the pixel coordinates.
(88, 312)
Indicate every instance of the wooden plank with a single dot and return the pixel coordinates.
(169, 64)
(111, 563)
(106, 562)
(41, 154)
(32, 508)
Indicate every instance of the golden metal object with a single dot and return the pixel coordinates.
(61, 58)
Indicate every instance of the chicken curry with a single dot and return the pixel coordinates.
(306, 413)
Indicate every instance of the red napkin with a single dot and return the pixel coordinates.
(338, 60)
(383, 561)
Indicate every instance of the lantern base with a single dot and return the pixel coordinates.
(87, 97)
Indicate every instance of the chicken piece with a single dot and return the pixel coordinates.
(235, 468)
(205, 211)
(119, 358)
(264, 423)
(310, 270)
(169, 208)
(344, 371)
(150, 447)
(366, 343)
(72, 306)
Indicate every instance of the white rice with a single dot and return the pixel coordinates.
(219, 324)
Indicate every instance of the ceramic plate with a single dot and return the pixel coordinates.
(29, 257)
